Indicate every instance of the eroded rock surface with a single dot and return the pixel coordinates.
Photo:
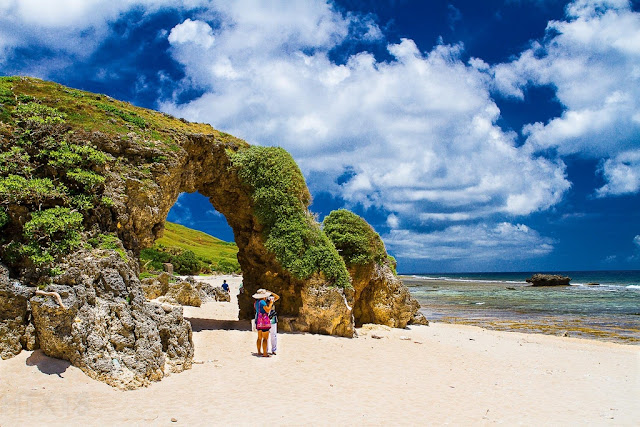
(106, 327)
(549, 280)
(15, 333)
(380, 297)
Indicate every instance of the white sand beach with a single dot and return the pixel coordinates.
(438, 374)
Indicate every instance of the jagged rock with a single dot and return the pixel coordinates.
(548, 280)
(107, 328)
(324, 310)
(380, 297)
(214, 292)
(185, 293)
(377, 296)
(154, 287)
(15, 333)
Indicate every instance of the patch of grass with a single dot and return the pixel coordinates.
(213, 253)
(127, 116)
(87, 178)
(33, 112)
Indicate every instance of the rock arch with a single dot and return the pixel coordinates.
(130, 165)
(203, 165)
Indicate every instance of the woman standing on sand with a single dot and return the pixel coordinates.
(263, 323)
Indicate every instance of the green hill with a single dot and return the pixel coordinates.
(191, 252)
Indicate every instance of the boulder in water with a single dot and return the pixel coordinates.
(549, 280)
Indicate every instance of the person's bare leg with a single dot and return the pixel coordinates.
(259, 341)
(265, 339)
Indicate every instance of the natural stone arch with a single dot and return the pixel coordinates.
(129, 167)
(204, 165)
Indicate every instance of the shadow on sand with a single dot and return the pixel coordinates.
(47, 365)
(199, 324)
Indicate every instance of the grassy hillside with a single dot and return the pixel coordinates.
(191, 252)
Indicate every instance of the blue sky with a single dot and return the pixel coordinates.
(497, 135)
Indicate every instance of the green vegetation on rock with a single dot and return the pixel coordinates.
(281, 198)
(355, 239)
(50, 233)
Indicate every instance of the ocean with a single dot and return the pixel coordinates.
(608, 311)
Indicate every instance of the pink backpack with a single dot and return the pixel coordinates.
(262, 319)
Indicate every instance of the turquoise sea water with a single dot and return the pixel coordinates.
(505, 301)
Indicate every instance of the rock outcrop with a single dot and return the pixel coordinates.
(184, 292)
(106, 327)
(77, 205)
(377, 295)
(16, 331)
(380, 297)
(548, 280)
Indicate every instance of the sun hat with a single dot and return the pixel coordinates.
(261, 293)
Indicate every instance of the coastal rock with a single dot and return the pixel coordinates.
(548, 280)
(185, 293)
(377, 296)
(380, 297)
(324, 310)
(154, 287)
(106, 327)
(15, 333)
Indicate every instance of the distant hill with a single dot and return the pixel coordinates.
(209, 253)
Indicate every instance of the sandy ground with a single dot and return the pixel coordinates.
(425, 375)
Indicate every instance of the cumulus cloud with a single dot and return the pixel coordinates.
(197, 32)
(636, 240)
(417, 134)
(622, 174)
(470, 243)
(593, 61)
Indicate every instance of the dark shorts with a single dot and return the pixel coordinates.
(264, 330)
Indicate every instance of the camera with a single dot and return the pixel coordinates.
(271, 298)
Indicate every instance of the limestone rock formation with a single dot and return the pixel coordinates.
(215, 293)
(324, 310)
(378, 296)
(548, 280)
(86, 182)
(106, 327)
(14, 316)
(184, 292)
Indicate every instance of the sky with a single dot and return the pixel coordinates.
(495, 135)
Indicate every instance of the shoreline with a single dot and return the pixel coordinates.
(420, 375)
(484, 303)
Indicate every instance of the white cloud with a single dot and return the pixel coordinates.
(636, 240)
(622, 174)
(419, 132)
(470, 243)
(197, 32)
(593, 61)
